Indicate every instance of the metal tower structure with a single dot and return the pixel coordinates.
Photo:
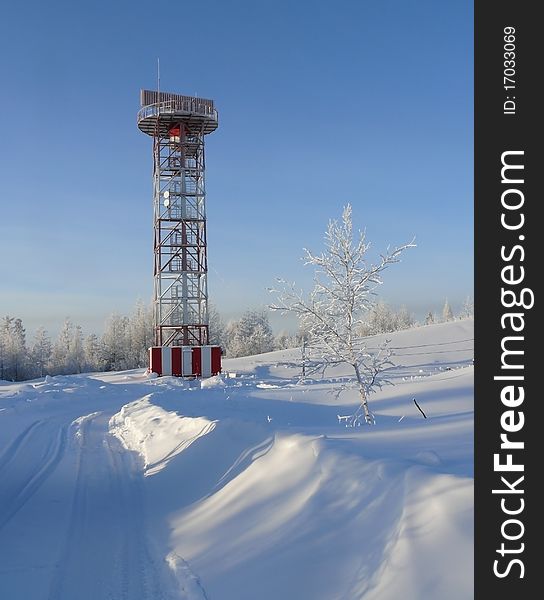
(178, 125)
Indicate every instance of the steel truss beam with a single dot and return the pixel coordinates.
(179, 216)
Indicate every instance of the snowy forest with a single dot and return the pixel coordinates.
(126, 339)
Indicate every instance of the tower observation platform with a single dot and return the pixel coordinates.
(178, 125)
(163, 109)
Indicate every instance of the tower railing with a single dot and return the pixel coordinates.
(188, 106)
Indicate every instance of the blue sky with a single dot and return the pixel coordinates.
(320, 104)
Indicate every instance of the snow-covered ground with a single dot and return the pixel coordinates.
(242, 487)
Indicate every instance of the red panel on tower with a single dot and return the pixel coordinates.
(216, 360)
(176, 361)
(155, 360)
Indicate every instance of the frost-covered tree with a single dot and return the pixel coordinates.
(468, 308)
(116, 343)
(384, 319)
(77, 352)
(140, 333)
(41, 352)
(5, 349)
(429, 319)
(19, 350)
(343, 294)
(68, 356)
(447, 313)
(61, 348)
(251, 334)
(404, 319)
(13, 350)
(216, 327)
(92, 349)
(283, 340)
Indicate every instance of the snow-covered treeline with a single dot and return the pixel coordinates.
(466, 312)
(125, 340)
(250, 334)
(383, 318)
(122, 346)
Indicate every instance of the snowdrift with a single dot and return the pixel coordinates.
(243, 486)
(156, 434)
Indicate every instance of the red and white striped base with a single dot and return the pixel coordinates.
(185, 361)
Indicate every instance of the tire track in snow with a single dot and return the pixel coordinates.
(141, 576)
(105, 554)
(32, 482)
(75, 570)
(11, 452)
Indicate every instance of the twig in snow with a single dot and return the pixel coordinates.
(420, 410)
